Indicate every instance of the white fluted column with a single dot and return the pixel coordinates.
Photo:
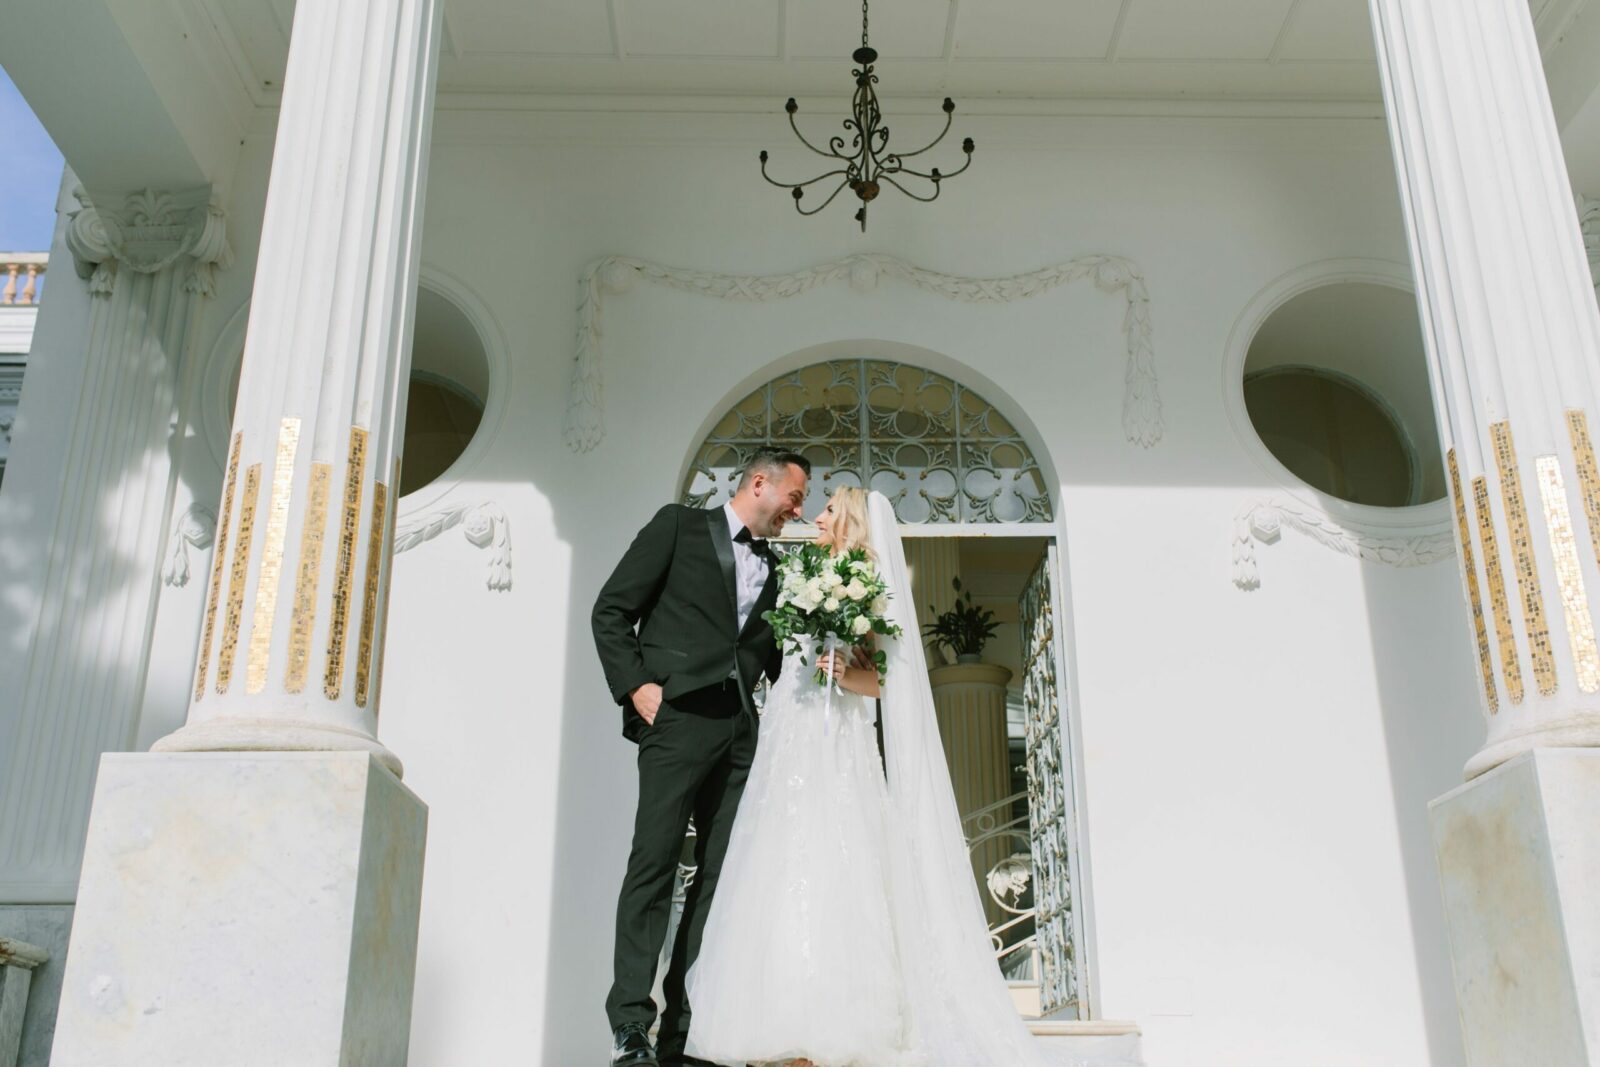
(970, 701)
(1589, 220)
(146, 265)
(1513, 337)
(269, 855)
(291, 646)
(932, 563)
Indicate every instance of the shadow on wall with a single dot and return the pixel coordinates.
(1425, 760)
(597, 779)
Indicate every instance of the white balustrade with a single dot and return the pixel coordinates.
(23, 272)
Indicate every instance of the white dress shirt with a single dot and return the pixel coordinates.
(749, 566)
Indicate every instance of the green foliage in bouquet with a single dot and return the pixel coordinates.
(965, 628)
(825, 596)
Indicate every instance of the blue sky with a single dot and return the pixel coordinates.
(33, 174)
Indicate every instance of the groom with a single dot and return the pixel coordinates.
(679, 630)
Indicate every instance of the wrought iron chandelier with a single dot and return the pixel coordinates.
(868, 163)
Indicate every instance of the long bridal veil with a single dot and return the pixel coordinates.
(959, 1003)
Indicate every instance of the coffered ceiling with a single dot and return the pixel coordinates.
(1203, 49)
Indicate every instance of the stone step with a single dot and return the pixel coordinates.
(1093, 1042)
(1085, 1042)
(1103, 1042)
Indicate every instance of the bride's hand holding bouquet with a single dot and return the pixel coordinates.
(840, 600)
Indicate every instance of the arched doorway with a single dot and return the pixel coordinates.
(979, 523)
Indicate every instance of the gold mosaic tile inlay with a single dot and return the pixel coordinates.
(1510, 667)
(344, 566)
(241, 567)
(1569, 573)
(1539, 646)
(383, 597)
(1588, 473)
(1474, 596)
(272, 556)
(376, 539)
(218, 563)
(304, 616)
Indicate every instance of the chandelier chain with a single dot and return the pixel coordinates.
(863, 23)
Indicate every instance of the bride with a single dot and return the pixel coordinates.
(848, 931)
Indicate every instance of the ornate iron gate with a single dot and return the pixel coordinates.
(1050, 797)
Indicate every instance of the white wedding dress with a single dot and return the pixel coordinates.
(847, 926)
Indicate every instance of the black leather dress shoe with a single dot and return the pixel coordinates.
(630, 1045)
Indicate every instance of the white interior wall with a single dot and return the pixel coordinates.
(1257, 765)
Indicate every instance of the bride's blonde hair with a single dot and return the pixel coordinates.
(849, 528)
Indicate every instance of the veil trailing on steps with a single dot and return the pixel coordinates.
(959, 1003)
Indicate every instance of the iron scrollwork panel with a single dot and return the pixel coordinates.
(1048, 805)
(940, 452)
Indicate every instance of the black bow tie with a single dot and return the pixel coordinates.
(757, 544)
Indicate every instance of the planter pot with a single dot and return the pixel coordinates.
(969, 657)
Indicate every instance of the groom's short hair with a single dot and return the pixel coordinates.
(772, 462)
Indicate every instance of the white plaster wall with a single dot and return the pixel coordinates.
(1257, 765)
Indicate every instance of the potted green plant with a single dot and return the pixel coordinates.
(964, 629)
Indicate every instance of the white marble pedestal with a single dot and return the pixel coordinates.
(1519, 860)
(244, 908)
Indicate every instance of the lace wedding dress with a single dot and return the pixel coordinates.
(847, 926)
(799, 954)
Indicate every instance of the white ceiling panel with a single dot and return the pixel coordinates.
(548, 27)
(1192, 29)
(1068, 49)
(1027, 29)
(901, 29)
(1329, 29)
(740, 29)
(259, 29)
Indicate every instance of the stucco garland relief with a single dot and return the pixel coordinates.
(485, 525)
(1264, 522)
(1141, 405)
(195, 528)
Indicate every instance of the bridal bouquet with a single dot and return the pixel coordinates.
(838, 600)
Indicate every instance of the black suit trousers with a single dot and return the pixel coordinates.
(693, 761)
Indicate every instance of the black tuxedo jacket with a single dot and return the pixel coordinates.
(677, 584)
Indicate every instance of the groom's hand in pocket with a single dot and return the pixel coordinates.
(647, 701)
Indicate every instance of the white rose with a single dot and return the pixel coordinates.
(831, 604)
(855, 590)
(833, 580)
(814, 586)
(861, 626)
(880, 606)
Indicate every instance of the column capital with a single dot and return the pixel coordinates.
(151, 231)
